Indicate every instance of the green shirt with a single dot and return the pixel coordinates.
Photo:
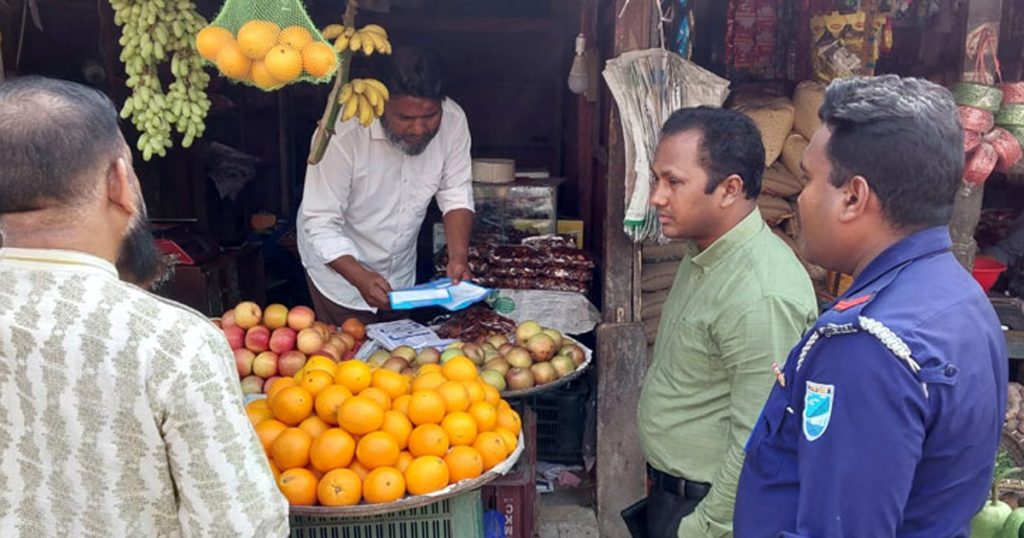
(733, 310)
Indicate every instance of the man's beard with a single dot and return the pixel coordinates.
(412, 149)
(139, 260)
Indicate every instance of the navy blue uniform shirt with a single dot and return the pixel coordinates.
(887, 415)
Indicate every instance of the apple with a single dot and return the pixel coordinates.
(235, 336)
(323, 329)
(519, 357)
(542, 347)
(378, 358)
(330, 353)
(349, 355)
(349, 341)
(474, 352)
(270, 382)
(309, 340)
(282, 339)
(290, 362)
(252, 385)
(556, 337)
(519, 378)
(275, 316)
(227, 319)
(450, 354)
(498, 364)
(395, 364)
(265, 364)
(563, 365)
(408, 371)
(248, 314)
(301, 317)
(543, 373)
(257, 339)
(494, 378)
(574, 352)
(335, 349)
(406, 352)
(527, 330)
(455, 345)
(503, 349)
(427, 355)
(243, 361)
(497, 340)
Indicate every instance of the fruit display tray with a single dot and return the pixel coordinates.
(556, 383)
(415, 501)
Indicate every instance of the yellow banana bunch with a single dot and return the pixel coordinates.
(363, 98)
(371, 38)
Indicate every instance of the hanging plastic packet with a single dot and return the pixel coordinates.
(267, 44)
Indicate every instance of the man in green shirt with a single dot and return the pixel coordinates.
(739, 302)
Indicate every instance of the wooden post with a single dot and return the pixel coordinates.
(981, 15)
(621, 343)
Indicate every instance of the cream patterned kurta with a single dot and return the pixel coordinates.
(120, 412)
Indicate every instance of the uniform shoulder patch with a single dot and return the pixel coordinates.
(846, 304)
(819, 399)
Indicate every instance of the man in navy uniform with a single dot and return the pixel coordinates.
(886, 416)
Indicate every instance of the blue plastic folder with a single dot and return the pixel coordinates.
(439, 292)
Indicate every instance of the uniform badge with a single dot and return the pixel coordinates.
(817, 409)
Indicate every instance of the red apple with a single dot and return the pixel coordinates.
(301, 317)
(265, 364)
(248, 314)
(235, 336)
(275, 316)
(309, 341)
(282, 340)
(323, 329)
(329, 353)
(227, 319)
(257, 339)
(290, 362)
(269, 382)
(252, 385)
(243, 360)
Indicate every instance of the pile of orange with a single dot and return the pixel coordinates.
(339, 434)
(265, 55)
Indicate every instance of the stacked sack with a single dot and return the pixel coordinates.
(990, 147)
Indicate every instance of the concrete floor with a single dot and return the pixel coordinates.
(567, 513)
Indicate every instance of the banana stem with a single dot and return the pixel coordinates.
(325, 127)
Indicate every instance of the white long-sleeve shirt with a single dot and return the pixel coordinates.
(120, 412)
(367, 199)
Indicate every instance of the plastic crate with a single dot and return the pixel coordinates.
(561, 419)
(515, 494)
(455, 517)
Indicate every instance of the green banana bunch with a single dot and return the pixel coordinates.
(154, 32)
(371, 38)
(364, 98)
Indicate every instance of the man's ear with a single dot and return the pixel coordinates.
(732, 190)
(856, 199)
(120, 191)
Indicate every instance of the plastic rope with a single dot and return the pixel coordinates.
(978, 96)
(1013, 93)
(1010, 115)
(976, 119)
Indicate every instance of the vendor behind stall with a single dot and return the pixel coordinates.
(365, 202)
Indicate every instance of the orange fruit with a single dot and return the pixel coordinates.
(428, 440)
(509, 419)
(295, 37)
(401, 404)
(454, 395)
(426, 474)
(383, 485)
(464, 462)
(209, 41)
(428, 381)
(231, 62)
(475, 391)
(314, 426)
(360, 415)
(460, 427)
(298, 486)
(320, 362)
(258, 415)
(258, 404)
(316, 472)
(459, 369)
(404, 459)
(426, 407)
(491, 394)
(259, 76)
(398, 426)
(315, 381)
(268, 430)
(491, 448)
(283, 63)
(503, 404)
(291, 449)
(292, 405)
(392, 383)
(274, 470)
(319, 59)
(358, 468)
(429, 368)
(256, 38)
(354, 375)
(510, 439)
(485, 415)
(277, 386)
(377, 449)
(354, 328)
(328, 402)
(340, 487)
(378, 396)
(333, 449)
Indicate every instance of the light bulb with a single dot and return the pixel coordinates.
(579, 79)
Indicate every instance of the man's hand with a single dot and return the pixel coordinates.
(374, 289)
(458, 270)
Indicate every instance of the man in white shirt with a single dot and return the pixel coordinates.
(365, 202)
(120, 412)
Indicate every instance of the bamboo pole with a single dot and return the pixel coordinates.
(325, 127)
